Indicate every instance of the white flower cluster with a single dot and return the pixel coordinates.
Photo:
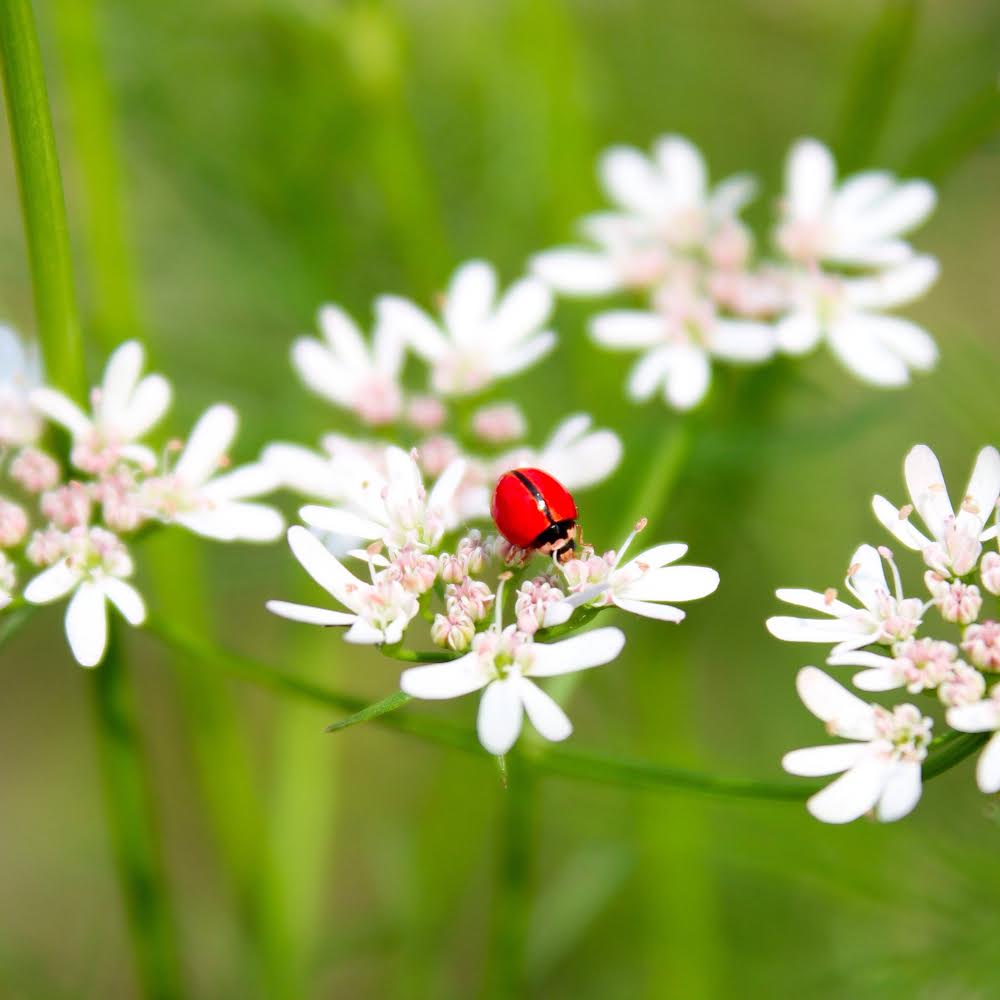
(840, 264)
(420, 561)
(63, 530)
(884, 636)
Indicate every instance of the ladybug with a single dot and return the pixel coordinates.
(534, 511)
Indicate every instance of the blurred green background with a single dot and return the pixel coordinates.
(233, 165)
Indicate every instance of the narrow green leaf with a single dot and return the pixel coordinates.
(389, 704)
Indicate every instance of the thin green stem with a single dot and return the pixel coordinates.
(133, 833)
(14, 616)
(388, 704)
(42, 205)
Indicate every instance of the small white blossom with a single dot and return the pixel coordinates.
(858, 223)
(916, 664)
(982, 717)
(125, 408)
(503, 664)
(393, 508)
(94, 567)
(481, 338)
(217, 507)
(20, 373)
(981, 643)
(881, 767)
(349, 373)
(379, 611)
(954, 543)
(882, 617)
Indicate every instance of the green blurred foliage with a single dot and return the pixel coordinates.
(275, 155)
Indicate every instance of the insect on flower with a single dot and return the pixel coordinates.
(532, 510)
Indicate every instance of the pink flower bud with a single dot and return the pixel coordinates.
(455, 631)
(989, 572)
(68, 506)
(13, 523)
(981, 643)
(34, 470)
(499, 424)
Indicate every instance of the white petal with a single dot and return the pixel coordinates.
(649, 371)
(576, 272)
(363, 633)
(901, 527)
(249, 480)
(731, 195)
(469, 300)
(308, 614)
(579, 652)
(340, 522)
(925, 483)
(630, 180)
(343, 335)
(798, 332)
(858, 193)
(660, 555)
(322, 372)
(323, 566)
(812, 762)
(659, 612)
(868, 576)
(121, 374)
(297, 468)
(860, 658)
(684, 169)
(903, 209)
(232, 521)
(742, 340)
(210, 439)
(412, 325)
(984, 486)
(513, 360)
(673, 583)
(814, 601)
(628, 328)
(816, 630)
(852, 794)
(687, 377)
(51, 584)
(148, 404)
(545, 715)
(499, 719)
(443, 492)
(858, 347)
(809, 177)
(894, 286)
(54, 405)
(445, 680)
(875, 680)
(846, 714)
(901, 792)
(125, 598)
(913, 344)
(981, 717)
(523, 309)
(87, 624)
(988, 767)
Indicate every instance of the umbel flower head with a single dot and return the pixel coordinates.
(706, 296)
(899, 645)
(66, 536)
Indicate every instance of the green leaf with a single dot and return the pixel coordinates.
(389, 704)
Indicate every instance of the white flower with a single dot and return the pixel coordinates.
(8, 580)
(881, 768)
(882, 617)
(349, 373)
(640, 586)
(20, 373)
(394, 508)
(125, 407)
(217, 507)
(916, 664)
(850, 314)
(379, 611)
(95, 567)
(664, 206)
(859, 223)
(955, 540)
(482, 339)
(982, 717)
(678, 340)
(502, 663)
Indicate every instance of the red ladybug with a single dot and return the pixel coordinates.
(534, 511)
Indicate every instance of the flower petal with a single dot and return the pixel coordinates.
(323, 566)
(412, 325)
(206, 447)
(146, 408)
(628, 329)
(51, 584)
(809, 177)
(901, 792)
(61, 409)
(660, 612)
(469, 299)
(814, 601)
(980, 717)
(445, 680)
(852, 794)
(901, 527)
(579, 652)
(988, 767)
(845, 713)
(545, 715)
(500, 713)
(577, 272)
(125, 598)
(688, 376)
(926, 486)
(673, 583)
(309, 614)
(340, 522)
(87, 624)
(854, 342)
(812, 762)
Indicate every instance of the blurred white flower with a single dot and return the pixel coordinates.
(882, 617)
(379, 611)
(191, 495)
(481, 338)
(94, 567)
(881, 767)
(8, 580)
(857, 224)
(394, 508)
(665, 207)
(955, 541)
(982, 717)
(125, 408)
(349, 373)
(20, 373)
(501, 665)
(849, 313)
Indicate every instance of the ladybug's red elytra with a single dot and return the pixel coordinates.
(532, 510)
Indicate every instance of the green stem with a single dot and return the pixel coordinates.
(42, 204)
(133, 831)
(513, 890)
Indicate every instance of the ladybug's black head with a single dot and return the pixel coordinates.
(559, 539)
